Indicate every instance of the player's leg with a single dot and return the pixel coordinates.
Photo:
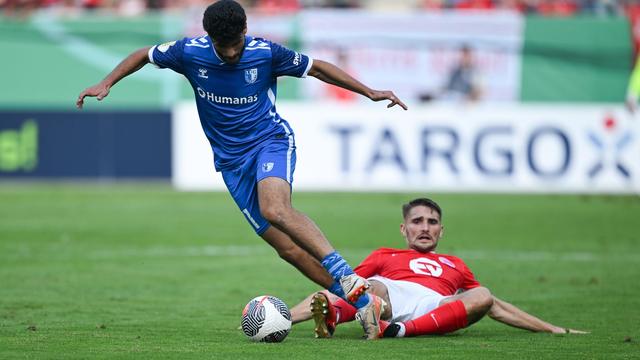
(327, 311)
(275, 206)
(241, 183)
(275, 166)
(274, 196)
(380, 289)
(453, 313)
(289, 251)
(477, 303)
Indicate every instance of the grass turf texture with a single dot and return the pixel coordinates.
(145, 272)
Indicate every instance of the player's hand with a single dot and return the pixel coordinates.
(99, 91)
(560, 330)
(387, 95)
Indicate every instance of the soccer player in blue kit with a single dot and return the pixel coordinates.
(233, 76)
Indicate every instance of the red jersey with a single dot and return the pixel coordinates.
(444, 274)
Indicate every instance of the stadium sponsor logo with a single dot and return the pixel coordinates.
(202, 73)
(490, 153)
(19, 148)
(228, 100)
(267, 167)
(610, 146)
(425, 266)
(251, 75)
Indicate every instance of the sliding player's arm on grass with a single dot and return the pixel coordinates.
(509, 314)
(333, 75)
(131, 64)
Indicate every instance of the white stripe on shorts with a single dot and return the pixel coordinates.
(248, 215)
(289, 151)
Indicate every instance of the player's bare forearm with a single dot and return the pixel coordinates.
(509, 314)
(302, 311)
(128, 66)
(333, 75)
(132, 63)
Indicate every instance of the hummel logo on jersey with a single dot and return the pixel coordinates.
(266, 167)
(202, 73)
(251, 75)
(200, 42)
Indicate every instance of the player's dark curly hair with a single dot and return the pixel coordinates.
(224, 21)
(421, 202)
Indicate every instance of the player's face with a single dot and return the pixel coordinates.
(422, 228)
(232, 52)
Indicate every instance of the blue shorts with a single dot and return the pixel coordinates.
(277, 158)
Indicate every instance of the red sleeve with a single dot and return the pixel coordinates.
(369, 266)
(469, 281)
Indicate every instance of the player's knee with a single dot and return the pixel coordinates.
(478, 301)
(274, 213)
(484, 299)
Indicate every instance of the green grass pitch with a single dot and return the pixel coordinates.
(141, 271)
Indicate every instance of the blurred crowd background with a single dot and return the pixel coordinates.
(509, 95)
(21, 8)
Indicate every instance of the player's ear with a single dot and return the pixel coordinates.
(403, 230)
(441, 233)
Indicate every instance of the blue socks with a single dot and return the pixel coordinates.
(336, 289)
(362, 301)
(338, 267)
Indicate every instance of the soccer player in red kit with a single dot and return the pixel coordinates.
(422, 292)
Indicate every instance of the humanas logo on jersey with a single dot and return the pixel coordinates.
(227, 99)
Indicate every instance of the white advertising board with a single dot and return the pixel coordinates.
(506, 148)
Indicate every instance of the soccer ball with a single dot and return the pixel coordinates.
(266, 319)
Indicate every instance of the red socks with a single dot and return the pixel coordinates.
(444, 319)
(344, 311)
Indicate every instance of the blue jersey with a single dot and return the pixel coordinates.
(236, 103)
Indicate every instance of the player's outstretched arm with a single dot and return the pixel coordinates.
(302, 311)
(333, 75)
(132, 63)
(509, 314)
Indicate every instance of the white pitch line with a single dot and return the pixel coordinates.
(82, 49)
(351, 253)
(186, 251)
(261, 249)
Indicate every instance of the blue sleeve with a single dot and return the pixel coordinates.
(289, 62)
(168, 55)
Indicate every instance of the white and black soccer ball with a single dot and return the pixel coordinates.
(266, 319)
